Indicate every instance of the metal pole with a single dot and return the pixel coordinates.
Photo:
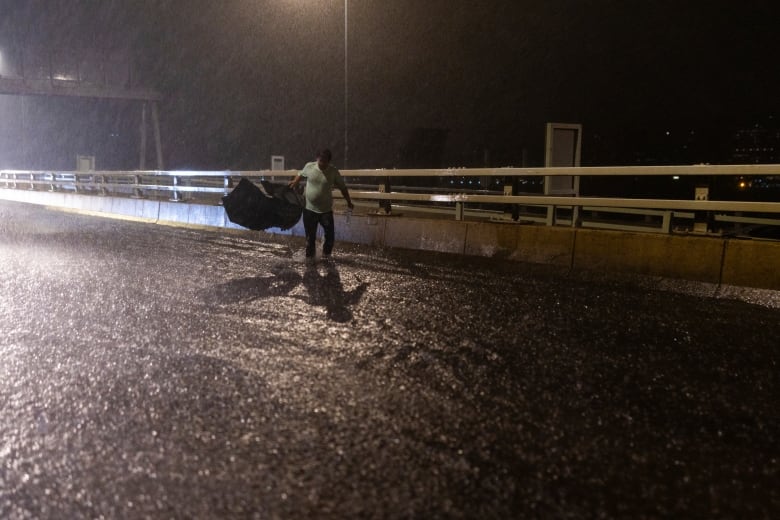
(346, 83)
(142, 161)
(157, 140)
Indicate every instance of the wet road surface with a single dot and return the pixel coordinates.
(156, 372)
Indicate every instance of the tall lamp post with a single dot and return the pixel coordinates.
(346, 82)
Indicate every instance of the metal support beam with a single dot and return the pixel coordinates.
(48, 87)
(157, 141)
(142, 161)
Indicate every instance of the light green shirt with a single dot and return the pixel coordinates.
(319, 186)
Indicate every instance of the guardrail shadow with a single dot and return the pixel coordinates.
(323, 290)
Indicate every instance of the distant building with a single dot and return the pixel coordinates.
(759, 144)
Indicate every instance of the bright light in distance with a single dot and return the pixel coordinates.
(676, 177)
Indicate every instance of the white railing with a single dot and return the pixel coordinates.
(209, 186)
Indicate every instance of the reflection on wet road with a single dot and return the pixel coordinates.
(173, 373)
(322, 282)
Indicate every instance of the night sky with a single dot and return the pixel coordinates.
(246, 79)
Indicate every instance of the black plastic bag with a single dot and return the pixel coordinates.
(265, 206)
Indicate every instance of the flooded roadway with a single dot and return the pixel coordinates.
(156, 372)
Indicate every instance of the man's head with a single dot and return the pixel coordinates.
(323, 158)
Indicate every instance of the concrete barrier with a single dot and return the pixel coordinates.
(367, 230)
(491, 240)
(545, 245)
(139, 208)
(687, 257)
(522, 243)
(748, 263)
(443, 236)
(752, 263)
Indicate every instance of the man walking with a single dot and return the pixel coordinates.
(321, 178)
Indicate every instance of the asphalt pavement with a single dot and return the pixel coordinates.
(161, 372)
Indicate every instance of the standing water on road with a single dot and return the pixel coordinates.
(169, 372)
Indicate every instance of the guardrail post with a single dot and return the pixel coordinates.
(576, 216)
(52, 178)
(510, 189)
(666, 223)
(701, 218)
(227, 184)
(102, 187)
(176, 197)
(138, 193)
(384, 187)
(458, 211)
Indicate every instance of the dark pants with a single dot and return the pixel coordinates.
(310, 221)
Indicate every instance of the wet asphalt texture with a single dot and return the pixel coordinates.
(159, 372)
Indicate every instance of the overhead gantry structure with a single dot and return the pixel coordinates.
(34, 71)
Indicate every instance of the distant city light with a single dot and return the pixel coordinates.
(676, 177)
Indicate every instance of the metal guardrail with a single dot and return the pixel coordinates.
(653, 214)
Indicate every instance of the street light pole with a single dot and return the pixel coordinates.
(346, 82)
